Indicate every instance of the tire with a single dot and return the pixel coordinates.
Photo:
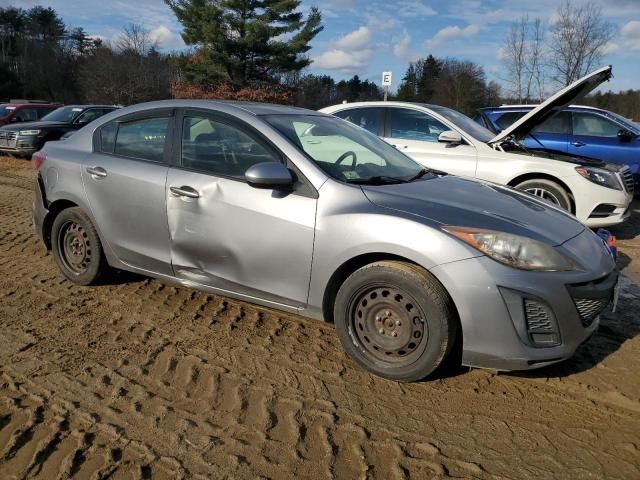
(77, 248)
(547, 190)
(395, 320)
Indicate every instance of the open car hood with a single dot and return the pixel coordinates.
(554, 104)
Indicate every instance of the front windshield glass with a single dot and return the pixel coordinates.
(4, 111)
(344, 151)
(62, 114)
(464, 123)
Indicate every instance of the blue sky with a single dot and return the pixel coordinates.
(365, 37)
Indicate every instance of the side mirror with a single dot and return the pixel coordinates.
(271, 175)
(449, 136)
(624, 135)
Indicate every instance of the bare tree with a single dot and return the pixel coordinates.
(579, 35)
(536, 61)
(136, 39)
(515, 58)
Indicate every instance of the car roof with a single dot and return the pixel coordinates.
(516, 108)
(92, 106)
(253, 108)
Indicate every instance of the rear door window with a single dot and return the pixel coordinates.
(367, 118)
(559, 123)
(142, 139)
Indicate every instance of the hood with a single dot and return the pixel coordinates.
(451, 200)
(33, 125)
(554, 104)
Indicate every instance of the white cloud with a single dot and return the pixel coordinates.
(349, 54)
(451, 33)
(414, 8)
(166, 39)
(631, 35)
(402, 48)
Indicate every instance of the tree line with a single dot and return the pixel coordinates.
(236, 50)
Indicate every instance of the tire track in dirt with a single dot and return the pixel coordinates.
(148, 380)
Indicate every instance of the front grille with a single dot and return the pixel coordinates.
(538, 317)
(627, 178)
(590, 308)
(8, 139)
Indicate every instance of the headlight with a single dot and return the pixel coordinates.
(602, 177)
(29, 132)
(513, 250)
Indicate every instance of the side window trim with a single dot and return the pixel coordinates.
(156, 113)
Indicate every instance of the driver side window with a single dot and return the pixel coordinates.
(591, 125)
(410, 124)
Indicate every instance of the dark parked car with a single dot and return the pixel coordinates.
(576, 130)
(17, 111)
(27, 138)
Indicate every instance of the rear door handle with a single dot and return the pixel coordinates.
(400, 146)
(578, 144)
(97, 172)
(184, 191)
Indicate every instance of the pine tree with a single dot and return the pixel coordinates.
(246, 41)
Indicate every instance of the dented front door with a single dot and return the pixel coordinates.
(228, 235)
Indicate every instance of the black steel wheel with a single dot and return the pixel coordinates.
(395, 319)
(76, 247)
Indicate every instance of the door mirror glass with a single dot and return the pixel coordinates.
(624, 135)
(272, 175)
(449, 136)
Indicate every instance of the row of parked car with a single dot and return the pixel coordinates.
(25, 126)
(305, 212)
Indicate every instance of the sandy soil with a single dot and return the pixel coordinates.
(142, 379)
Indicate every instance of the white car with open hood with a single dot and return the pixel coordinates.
(598, 193)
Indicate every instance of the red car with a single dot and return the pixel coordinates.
(24, 111)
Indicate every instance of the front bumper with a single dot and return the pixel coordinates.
(22, 145)
(493, 301)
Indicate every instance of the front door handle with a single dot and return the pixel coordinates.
(184, 191)
(578, 144)
(97, 172)
(400, 146)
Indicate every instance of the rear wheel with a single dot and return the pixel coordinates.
(395, 319)
(77, 248)
(547, 190)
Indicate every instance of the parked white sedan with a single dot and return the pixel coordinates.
(440, 138)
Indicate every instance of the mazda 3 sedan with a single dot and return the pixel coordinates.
(307, 213)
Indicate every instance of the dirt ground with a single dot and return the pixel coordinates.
(143, 379)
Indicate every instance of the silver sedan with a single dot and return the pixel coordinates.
(300, 211)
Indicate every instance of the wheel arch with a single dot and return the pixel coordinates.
(54, 210)
(544, 176)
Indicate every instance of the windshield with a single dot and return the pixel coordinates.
(344, 151)
(4, 111)
(62, 114)
(464, 123)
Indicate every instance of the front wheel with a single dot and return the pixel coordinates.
(395, 319)
(76, 247)
(547, 190)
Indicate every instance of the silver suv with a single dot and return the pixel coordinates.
(307, 213)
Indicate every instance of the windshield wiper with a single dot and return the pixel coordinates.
(376, 180)
(420, 174)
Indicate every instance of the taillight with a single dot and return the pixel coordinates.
(37, 159)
